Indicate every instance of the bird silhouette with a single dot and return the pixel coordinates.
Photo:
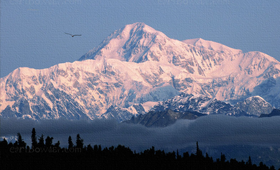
(73, 34)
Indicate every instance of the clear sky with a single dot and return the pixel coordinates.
(32, 31)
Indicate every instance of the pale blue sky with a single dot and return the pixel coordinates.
(32, 31)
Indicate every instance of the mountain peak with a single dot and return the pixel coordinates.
(139, 26)
(130, 43)
(140, 30)
(211, 45)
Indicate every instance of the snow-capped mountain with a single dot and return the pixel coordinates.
(202, 67)
(252, 106)
(135, 65)
(188, 106)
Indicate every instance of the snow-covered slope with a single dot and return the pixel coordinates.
(212, 46)
(137, 64)
(204, 67)
(252, 106)
(83, 89)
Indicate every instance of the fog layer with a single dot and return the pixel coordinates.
(209, 130)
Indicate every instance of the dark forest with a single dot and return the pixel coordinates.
(43, 154)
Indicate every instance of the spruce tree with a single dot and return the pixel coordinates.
(41, 141)
(223, 158)
(33, 138)
(21, 143)
(198, 151)
(70, 143)
(57, 145)
(79, 142)
(49, 141)
(249, 161)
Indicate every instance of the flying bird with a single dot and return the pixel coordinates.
(73, 34)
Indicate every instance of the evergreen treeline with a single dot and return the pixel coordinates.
(43, 154)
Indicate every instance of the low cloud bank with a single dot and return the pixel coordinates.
(209, 130)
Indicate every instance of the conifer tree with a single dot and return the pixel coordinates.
(198, 151)
(223, 158)
(4, 143)
(41, 141)
(249, 161)
(33, 138)
(70, 143)
(49, 141)
(57, 145)
(21, 143)
(79, 142)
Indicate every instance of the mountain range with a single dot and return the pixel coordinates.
(252, 106)
(134, 69)
(188, 106)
